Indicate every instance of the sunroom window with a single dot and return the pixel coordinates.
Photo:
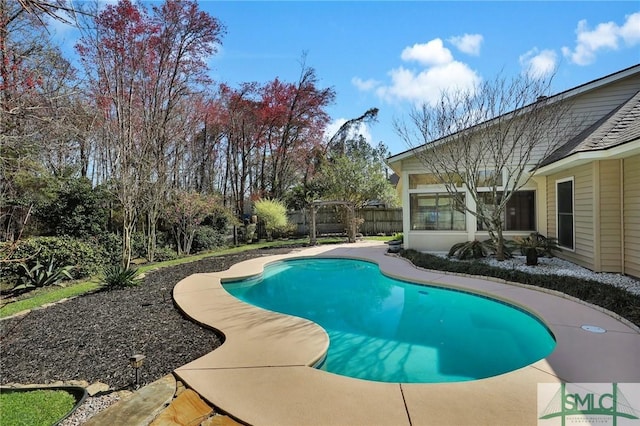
(436, 211)
(519, 214)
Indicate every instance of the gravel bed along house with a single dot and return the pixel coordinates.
(557, 266)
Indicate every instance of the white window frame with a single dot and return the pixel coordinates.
(573, 213)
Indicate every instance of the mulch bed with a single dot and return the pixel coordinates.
(92, 337)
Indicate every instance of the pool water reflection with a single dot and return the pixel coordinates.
(388, 330)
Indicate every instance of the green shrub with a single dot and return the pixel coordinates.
(138, 245)
(207, 238)
(286, 231)
(39, 275)
(77, 209)
(117, 276)
(610, 297)
(110, 245)
(86, 258)
(273, 213)
(165, 253)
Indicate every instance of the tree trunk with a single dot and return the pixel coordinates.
(499, 239)
(127, 234)
(151, 235)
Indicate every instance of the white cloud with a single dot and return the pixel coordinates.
(430, 53)
(334, 126)
(630, 31)
(538, 63)
(365, 85)
(605, 36)
(437, 72)
(428, 85)
(468, 43)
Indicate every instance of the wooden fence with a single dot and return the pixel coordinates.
(376, 221)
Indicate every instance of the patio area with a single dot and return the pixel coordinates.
(261, 375)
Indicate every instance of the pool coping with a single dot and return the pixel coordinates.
(261, 374)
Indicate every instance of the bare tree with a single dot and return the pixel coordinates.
(57, 9)
(493, 137)
(40, 117)
(113, 55)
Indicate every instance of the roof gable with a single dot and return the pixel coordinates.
(592, 85)
(620, 126)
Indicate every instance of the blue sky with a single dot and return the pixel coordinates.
(392, 55)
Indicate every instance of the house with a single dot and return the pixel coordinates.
(585, 193)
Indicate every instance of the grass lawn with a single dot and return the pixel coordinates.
(35, 408)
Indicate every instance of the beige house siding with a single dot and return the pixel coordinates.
(589, 107)
(599, 102)
(609, 215)
(632, 215)
(583, 252)
(599, 182)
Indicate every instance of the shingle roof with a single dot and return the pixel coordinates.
(592, 85)
(620, 126)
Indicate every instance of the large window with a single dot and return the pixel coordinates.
(519, 214)
(564, 203)
(436, 211)
(426, 180)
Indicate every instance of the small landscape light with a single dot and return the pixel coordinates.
(136, 362)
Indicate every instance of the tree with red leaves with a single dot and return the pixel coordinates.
(143, 71)
(242, 132)
(185, 37)
(294, 118)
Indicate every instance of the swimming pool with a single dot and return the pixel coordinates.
(387, 330)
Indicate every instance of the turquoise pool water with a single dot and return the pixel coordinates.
(388, 330)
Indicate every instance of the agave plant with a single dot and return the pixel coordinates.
(117, 276)
(40, 275)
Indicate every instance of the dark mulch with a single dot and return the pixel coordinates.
(92, 337)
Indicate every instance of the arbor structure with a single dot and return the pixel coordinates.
(315, 205)
(486, 143)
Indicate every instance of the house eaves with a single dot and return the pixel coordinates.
(580, 158)
(567, 94)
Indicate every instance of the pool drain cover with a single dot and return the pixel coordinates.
(593, 329)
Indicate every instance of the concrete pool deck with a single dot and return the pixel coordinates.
(261, 374)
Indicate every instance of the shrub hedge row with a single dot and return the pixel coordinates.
(615, 299)
(86, 258)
